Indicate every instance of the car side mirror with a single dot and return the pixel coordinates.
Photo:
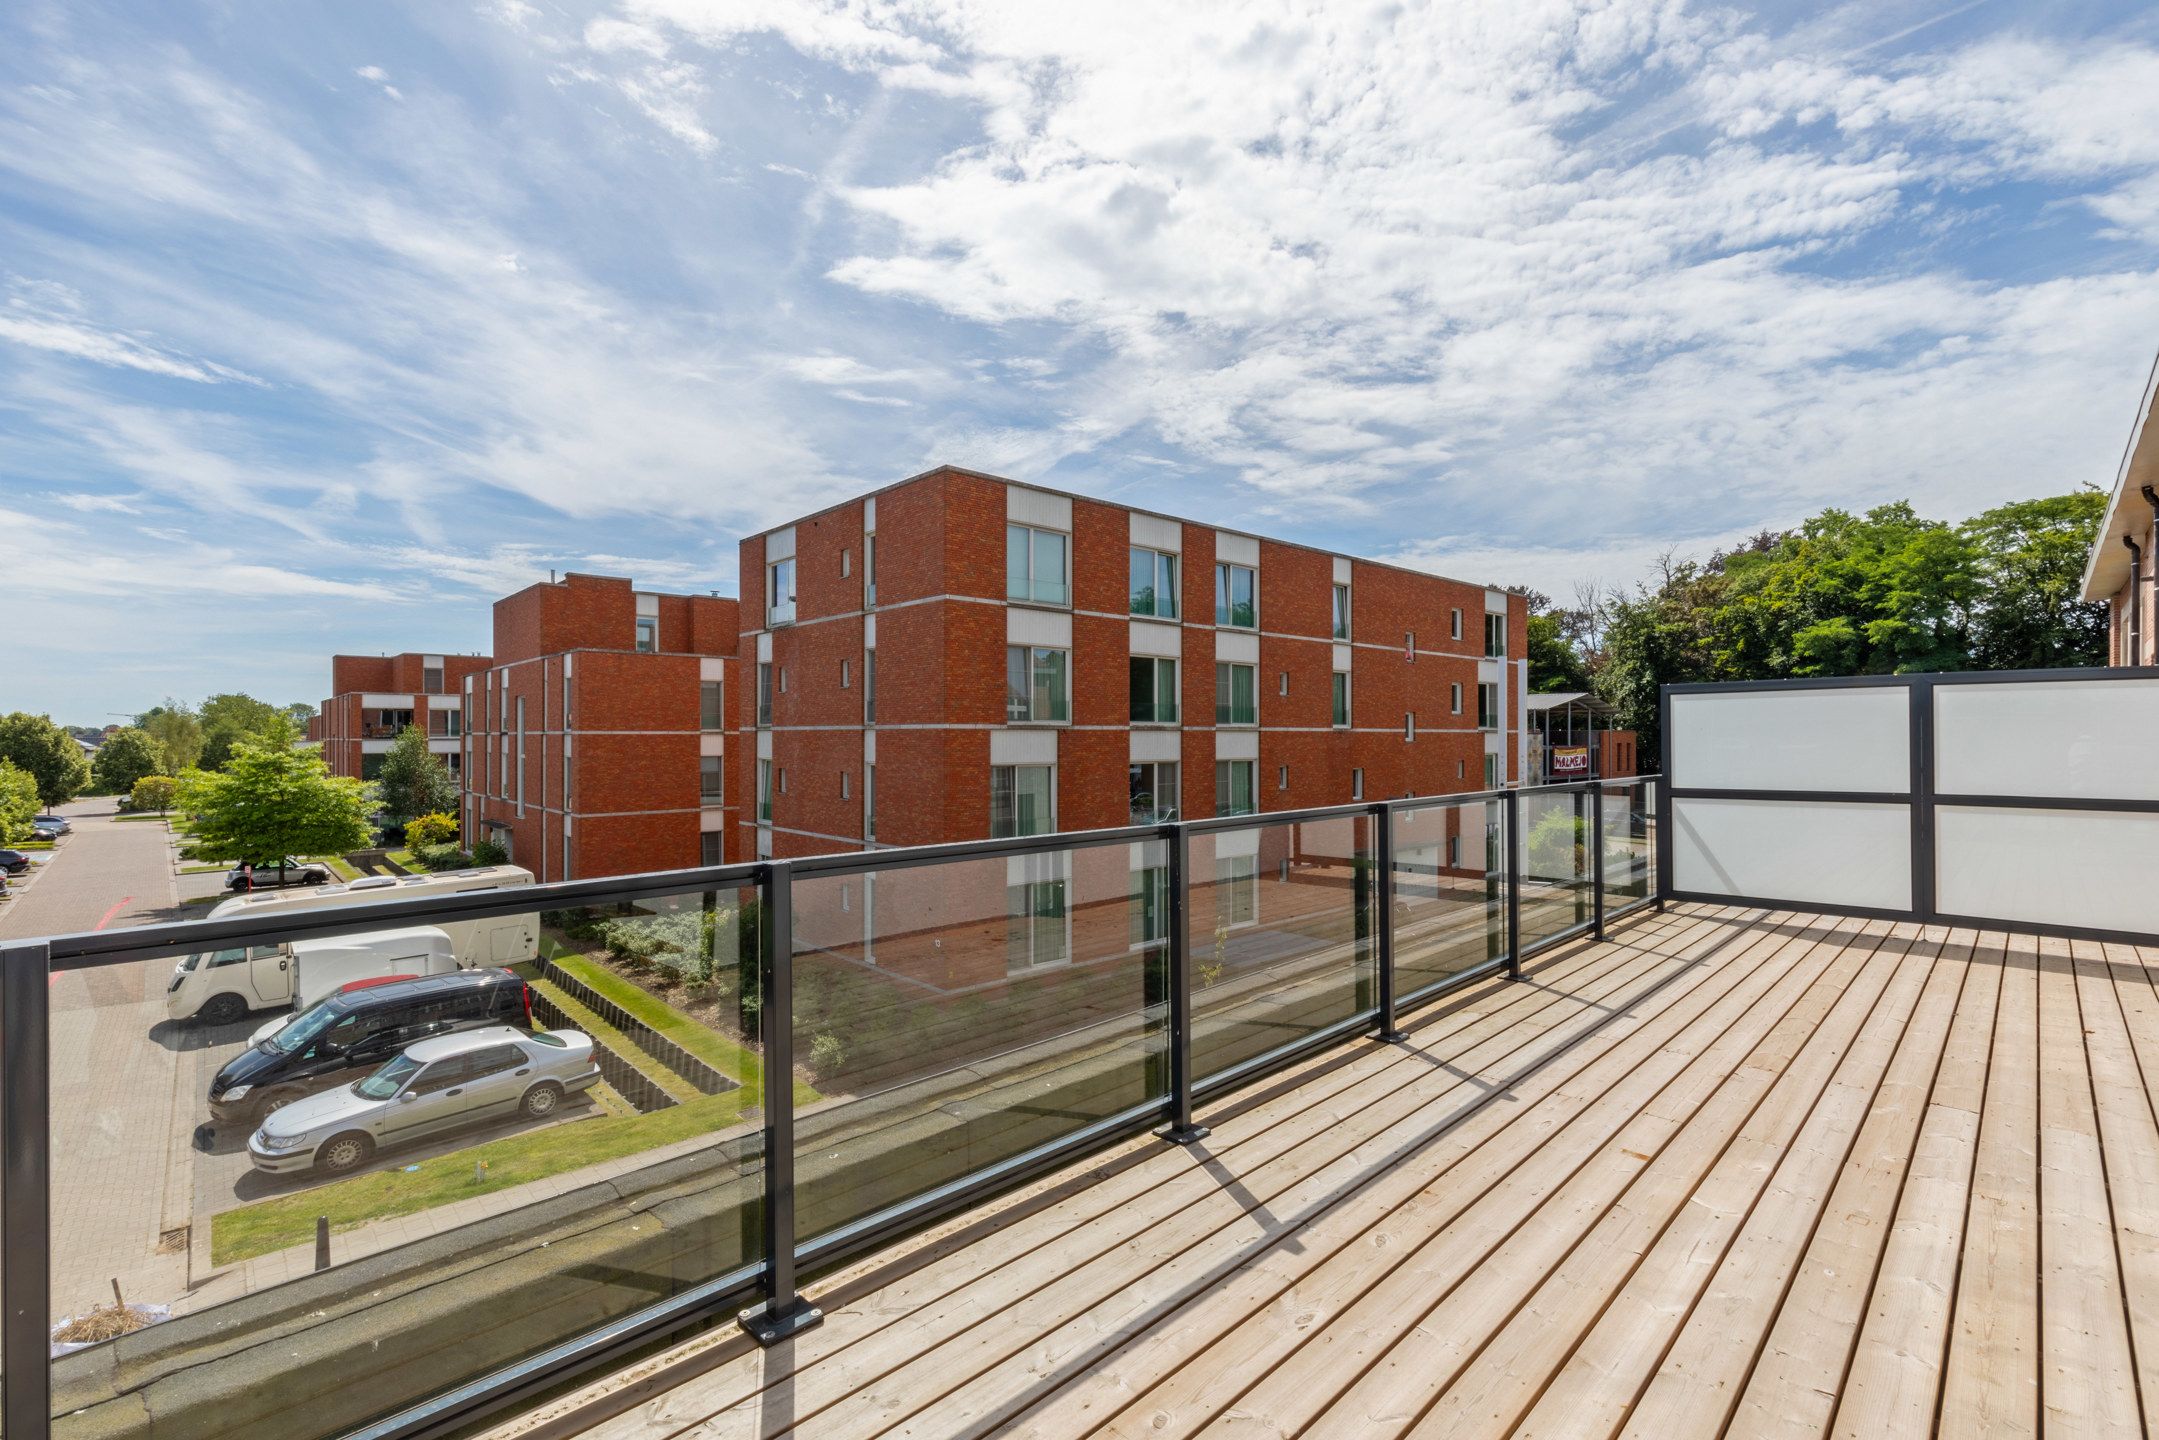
(407, 1098)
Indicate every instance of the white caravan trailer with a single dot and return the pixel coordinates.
(220, 986)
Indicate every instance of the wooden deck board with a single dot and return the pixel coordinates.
(1733, 1173)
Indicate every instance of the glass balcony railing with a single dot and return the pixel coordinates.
(599, 1110)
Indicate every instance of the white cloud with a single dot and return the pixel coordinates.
(173, 565)
(66, 336)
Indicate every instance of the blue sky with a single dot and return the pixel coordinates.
(322, 325)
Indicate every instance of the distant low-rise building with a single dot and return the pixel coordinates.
(374, 697)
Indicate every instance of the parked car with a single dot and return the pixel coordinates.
(268, 877)
(14, 862)
(437, 1085)
(39, 830)
(343, 1035)
(59, 823)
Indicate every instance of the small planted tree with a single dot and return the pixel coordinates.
(413, 781)
(435, 829)
(154, 792)
(272, 801)
(18, 802)
(126, 756)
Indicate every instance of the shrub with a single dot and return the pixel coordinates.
(827, 1055)
(153, 792)
(450, 856)
(435, 829)
(490, 852)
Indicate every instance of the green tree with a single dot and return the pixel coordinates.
(177, 734)
(154, 792)
(229, 719)
(413, 780)
(18, 802)
(2031, 566)
(126, 756)
(272, 800)
(53, 758)
(1554, 664)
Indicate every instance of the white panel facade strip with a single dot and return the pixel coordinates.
(710, 819)
(1038, 507)
(2069, 739)
(1235, 549)
(869, 632)
(1236, 744)
(1035, 869)
(1796, 739)
(1228, 845)
(647, 603)
(2090, 868)
(433, 662)
(1050, 628)
(1239, 645)
(445, 747)
(1150, 639)
(375, 747)
(386, 701)
(711, 668)
(869, 747)
(1798, 851)
(1495, 602)
(1023, 747)
(1157, 745)
(779, 545)
(711, 742)
(1341, 569)
(764, 744)
(446, 702)
(869, 514)
(764, 647)
(1341, 657)
(1158, 533)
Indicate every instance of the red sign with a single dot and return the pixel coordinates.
(1570, 760)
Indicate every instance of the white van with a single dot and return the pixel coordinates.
(320, 967)
(220, 986)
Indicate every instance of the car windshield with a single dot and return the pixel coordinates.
(548, 1039)
(388, 1080)
(303, 1029)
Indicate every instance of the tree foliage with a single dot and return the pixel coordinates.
(231, 718)
(154, 792)
(18, 802)
(272, 800)
(438, 828)
(51, 756)
(176, 732)
(126, 756)
(413, 780)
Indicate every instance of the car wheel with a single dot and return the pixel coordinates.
(341, 1154)
(273, 1102)
(542, 1100)
(222, 1009)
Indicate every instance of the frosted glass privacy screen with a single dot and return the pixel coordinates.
(2089, 868)
(1796, 850)
(1793, 739)
(2081, 739)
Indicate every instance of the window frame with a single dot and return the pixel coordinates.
(779, 610)
(1061, 702)
(1225, 787)
(1225, 600)
(1225, 694)
(1160, 563)
(1031, 585)
(1160, 814)
(1015, 794)
(1338, 700)
(1341, 611)
(1154, 665)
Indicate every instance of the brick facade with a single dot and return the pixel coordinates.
(586, 743)
(373, 697)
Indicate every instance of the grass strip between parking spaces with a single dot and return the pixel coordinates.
(246, 1231)
(602, 1033)
(737, 1062)
(404, 860)
(337, 865)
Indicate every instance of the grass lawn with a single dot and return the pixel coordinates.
(267, 1225)
(160, 819)
(203, 869)
(27, 845)
(737, 1063)
(609, 1037)
(404, 858)
(337, 864)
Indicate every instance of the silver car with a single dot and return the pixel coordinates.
(438, 1084)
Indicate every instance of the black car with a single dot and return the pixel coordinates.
(14, 862)
(343, 1036)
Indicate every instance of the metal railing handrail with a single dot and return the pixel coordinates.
(26, 968)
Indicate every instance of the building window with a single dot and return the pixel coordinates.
(1454, 698)
(1409, 725)
(711, 706)
(1454, 624)
(708, 847)
(783, 679)
(847, 567)
(1150, 905)
(1154, 690)
(1238, 876)
(1488, 705)
(764, 694)
(1236, 698)
(1491, 772)
(844, 672)
(869, 571)
(443, 724)
(648, 634)
(1340, 713)
(1154, 792)
(780, 592)
(1035, 570)
(869, 687)
(1281, 777)
(1341, 612)
(520, 755)
(1037, 684)
(1233, 787)
(869, 803)
(1023, 800)
(1495, 636)
(566, 785)
(431, 679)
(1356, 784)
(709, 783)
(1154, 583)
(783, 779)
(1036, 938)
(1283, 685)
(1236, 596)
(845, 792)
(764, 789)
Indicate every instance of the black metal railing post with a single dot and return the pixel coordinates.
(1514, 884)
(1596, 858)
(1181, 1130)
(1383, 913)
(26, 1190)
(784, 1311)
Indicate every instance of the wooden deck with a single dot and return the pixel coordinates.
(1736, 1172)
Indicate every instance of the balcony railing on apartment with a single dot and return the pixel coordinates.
(952, 1019)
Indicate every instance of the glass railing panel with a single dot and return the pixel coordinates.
(1557, 889)
(1629, 849)
(1280, 926)
(953, 1016)
(581, 1142)
(1450, 899)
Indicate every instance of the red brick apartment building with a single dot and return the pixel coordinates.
(2123, 570)
(1060, 663)
(374, 697)
(595, 742)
